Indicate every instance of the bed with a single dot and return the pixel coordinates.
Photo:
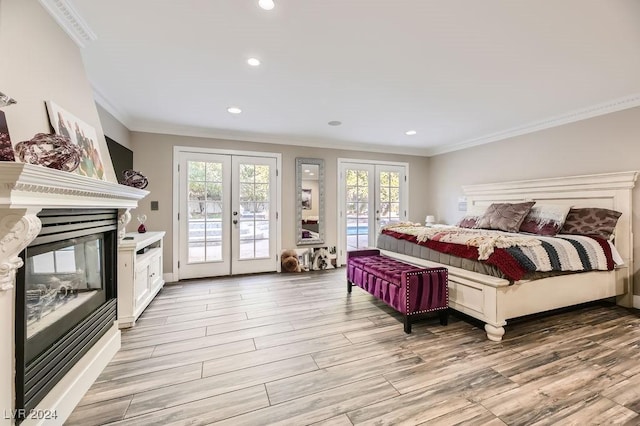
(495, 300)
(310, 225)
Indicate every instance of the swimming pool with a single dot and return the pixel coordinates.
(357, 230)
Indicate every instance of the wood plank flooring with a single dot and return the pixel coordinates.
(295, 349)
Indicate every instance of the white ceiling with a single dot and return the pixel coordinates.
(459, 72)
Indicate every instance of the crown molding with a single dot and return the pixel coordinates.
(619, 104)
(116, 112)
(70, 20)
(275, 139)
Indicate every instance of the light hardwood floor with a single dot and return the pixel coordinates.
(296, 349)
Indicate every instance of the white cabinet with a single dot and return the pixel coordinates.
(139, 274)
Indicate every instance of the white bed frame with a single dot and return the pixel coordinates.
(493, 301)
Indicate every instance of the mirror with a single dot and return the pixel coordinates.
(310, 203)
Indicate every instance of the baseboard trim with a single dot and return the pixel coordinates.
(169, 277)
(66, 395)
(636, 301)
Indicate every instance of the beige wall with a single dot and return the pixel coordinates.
(153, 157)
(608, 143)
(40, 62)
(114, 128)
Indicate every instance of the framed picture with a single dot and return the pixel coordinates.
(306, 199)
(80, 133)
(6, 149)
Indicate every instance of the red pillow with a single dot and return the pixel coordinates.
(472, 217)
(545, 219)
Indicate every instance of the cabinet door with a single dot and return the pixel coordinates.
(141, 286)
(155, 272)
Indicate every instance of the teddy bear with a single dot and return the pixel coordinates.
(289, 260)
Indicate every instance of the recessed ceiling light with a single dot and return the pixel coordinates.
(410, 132)
(234, 110)
(254, 62)
(266, 4)
(310, 174)
(334, 123)
(307, 170)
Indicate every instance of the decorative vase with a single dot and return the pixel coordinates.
(53, 151)
(142, 218)
(134, 179)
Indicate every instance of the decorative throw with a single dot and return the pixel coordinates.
(514, 254)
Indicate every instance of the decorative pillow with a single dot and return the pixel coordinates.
(471, 218)
(505, 216)
(591, 221)
(545, 219)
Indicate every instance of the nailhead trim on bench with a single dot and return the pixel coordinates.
(446, 290)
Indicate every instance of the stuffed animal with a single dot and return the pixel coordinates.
(289, 260)
(322, 259)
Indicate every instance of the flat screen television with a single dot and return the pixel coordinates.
(121, 157)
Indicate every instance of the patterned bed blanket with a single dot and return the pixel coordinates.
(514, 254)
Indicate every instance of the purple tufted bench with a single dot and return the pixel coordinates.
(408, 289)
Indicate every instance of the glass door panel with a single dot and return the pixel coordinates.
(204, 231)
(253, 217)
(389, 196)
(205, 213)
(373, 197)
(358, 187)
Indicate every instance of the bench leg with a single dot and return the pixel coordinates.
(349, 285)
(444, 317)
(407, 324)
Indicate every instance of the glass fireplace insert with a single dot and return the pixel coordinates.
(65, 297)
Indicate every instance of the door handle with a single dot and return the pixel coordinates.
(235, 213)
(235, 221)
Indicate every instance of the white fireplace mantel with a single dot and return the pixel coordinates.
(27, 186)
(25, 190)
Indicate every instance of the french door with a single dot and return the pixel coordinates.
(227, 208)
(371, 195)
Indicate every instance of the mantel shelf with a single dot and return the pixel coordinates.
(26, 185)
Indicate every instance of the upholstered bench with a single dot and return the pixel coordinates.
(410, 290)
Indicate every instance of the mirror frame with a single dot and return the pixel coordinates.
(321, 219)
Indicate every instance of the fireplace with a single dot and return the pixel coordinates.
(38, 202)
(65, 297)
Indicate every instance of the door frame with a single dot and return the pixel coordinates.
(340, 205)
(176, 199)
